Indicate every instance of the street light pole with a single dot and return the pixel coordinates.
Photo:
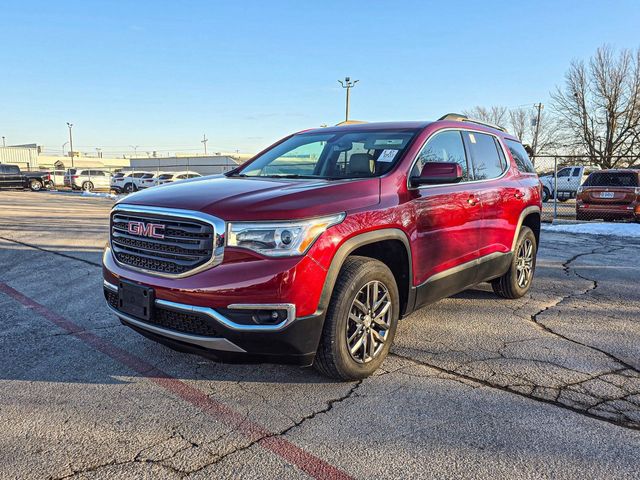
(135, 150)
(70, 125)
(4, 143)
(204, 141)
(348, 84)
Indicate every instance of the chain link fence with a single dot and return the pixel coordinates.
(574, 188)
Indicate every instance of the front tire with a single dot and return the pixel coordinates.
(35, 185)
(87, 186)
(361, 320)
(517, 281)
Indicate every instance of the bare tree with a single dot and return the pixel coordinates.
(496, 114)
(521, 122)
(599, 107)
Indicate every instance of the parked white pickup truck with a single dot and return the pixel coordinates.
(569, 179)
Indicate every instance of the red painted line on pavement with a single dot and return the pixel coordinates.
(279, 446)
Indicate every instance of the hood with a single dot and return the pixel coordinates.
(246, 198)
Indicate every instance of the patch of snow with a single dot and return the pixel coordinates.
(100, 194)
(599, 228)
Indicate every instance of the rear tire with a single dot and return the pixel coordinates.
(87, 186)
(517, 281)
(546, 194)
(128, 188)
(361, 320)
(35, 185)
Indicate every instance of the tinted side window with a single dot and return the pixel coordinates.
(520, 156)
(3, 169)
(443, 147)
(13, 169)
(565, 172)
(484, 154)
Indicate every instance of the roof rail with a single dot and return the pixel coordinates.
(456, 117)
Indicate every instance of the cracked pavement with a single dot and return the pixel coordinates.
(475, 387)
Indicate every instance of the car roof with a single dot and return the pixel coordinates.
(618, 170)
(411, 125)
(363, 127)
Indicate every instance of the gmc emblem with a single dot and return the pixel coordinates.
(153, 230)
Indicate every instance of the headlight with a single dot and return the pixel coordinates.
(279, 239)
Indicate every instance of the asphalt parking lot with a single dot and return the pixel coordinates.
(476, 387)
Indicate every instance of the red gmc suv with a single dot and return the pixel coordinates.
(310, 252)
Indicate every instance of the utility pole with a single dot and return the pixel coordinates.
(348, 84)
(204, 142)
(539, 107)
(70, 125)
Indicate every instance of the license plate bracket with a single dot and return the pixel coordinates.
(135, 300)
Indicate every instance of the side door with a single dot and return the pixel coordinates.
(447, 218)
(502, 195)
(3, 176)
(14, 176)
(575, 180)
(101, 179)
(564, 180)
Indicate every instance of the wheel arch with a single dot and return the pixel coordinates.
(383, 245)
(530, 217)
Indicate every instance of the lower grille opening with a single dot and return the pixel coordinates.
(182, 322)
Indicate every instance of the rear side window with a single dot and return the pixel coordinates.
(13, 169)
(443, 147)
(487, 162)
(147, 175)
(612, 179)
(165, 177)
(519, 154)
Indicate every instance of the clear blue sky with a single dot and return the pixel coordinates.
(160, 74)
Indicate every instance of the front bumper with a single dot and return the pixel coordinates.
(294, 342)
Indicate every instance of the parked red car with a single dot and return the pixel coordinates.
(610, 195)
(311, 251)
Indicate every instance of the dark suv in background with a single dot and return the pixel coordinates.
(313, 250)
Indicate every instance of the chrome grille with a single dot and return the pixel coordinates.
(184, 244)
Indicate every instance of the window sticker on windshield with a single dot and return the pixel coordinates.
(389, 142)
(387, 155)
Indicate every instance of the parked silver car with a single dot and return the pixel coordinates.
(87, 179)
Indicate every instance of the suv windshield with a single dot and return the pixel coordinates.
(332, 155)
(612, 179)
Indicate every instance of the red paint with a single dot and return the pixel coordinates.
(310, 464)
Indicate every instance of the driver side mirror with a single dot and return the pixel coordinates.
(435, 173)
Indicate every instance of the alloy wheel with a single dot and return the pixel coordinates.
(369, 322)
(524, 263)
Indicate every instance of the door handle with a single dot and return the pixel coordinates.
(473, 200)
